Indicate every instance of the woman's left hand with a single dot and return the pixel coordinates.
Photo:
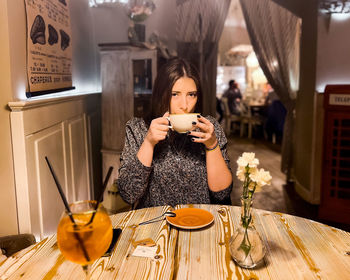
(206, 135)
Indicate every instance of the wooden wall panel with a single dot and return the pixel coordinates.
(78, 155)
(44, 214)
(117, 98)
(65, 138)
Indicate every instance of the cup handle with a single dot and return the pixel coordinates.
(170, 126)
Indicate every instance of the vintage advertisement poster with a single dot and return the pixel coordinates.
(49, 46)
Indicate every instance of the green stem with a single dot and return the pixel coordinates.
(246, 181)
(246, 220)
(245, 244)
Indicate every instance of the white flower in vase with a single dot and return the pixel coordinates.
(247, 159)
(246, 246)
(261, 178)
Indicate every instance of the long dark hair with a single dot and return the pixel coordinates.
(168, 74)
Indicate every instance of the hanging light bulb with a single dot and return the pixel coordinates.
(252, 61)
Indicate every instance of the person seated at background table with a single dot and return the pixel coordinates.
(162, 167)
(234, 97)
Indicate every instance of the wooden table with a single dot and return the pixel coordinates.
(252, 116)
(296, 248)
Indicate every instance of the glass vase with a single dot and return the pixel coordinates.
(136, 32)
(246, 246)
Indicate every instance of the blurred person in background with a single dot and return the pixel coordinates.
(276, 114)
(234, 97)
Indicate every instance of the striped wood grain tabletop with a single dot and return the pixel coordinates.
(296, 248)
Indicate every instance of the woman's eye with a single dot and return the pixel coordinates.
(192, 94)
(174, 94)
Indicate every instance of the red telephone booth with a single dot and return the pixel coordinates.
(335, 192)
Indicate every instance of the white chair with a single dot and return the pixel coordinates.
(229, 118)
(248, 119)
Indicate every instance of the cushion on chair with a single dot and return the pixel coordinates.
(13, 243)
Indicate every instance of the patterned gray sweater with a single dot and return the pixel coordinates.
(178, 173)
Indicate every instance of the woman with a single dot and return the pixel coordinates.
(162, 167)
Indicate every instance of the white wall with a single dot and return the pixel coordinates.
(86, 77)
(111, 23)
(16, 21)
(163, 21)
(333, 45)
(13, 80)
(8, 217)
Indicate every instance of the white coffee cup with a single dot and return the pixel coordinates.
(182, 122)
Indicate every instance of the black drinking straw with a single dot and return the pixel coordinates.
(101, 195)
(64, 199)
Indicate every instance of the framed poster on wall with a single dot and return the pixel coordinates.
(49, 47)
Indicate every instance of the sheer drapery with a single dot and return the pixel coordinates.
(275, 35)
(199, 24)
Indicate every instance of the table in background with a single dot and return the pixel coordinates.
(252, 114)
(296, 248)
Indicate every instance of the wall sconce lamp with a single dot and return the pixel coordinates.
(335, 6)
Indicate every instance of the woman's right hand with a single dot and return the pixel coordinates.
(158, 130)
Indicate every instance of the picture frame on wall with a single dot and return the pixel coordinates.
(49, 47)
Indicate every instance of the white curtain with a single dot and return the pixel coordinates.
(199, 24)
(275, 35)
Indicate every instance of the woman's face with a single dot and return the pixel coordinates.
(183, 96)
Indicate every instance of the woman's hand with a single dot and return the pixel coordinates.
(206, 135)
(158, 130)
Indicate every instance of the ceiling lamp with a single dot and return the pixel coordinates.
(252, 60)
(240, 50)
(335, 6)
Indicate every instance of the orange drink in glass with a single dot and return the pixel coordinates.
(84, 241)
